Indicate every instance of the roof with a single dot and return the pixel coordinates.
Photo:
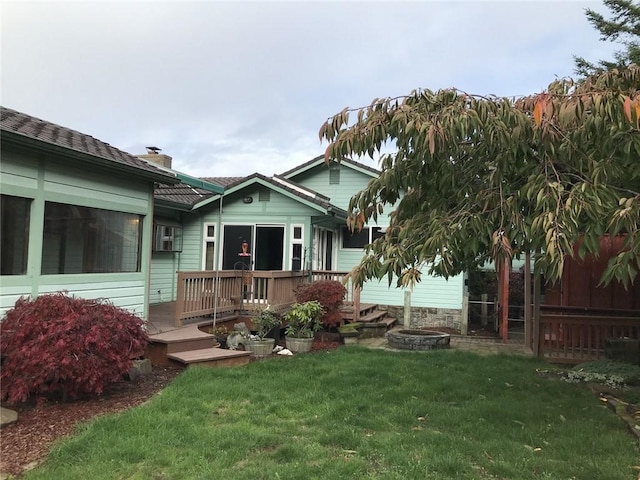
(225, 182)
(277, 182)
(320, 160)
(22, 126)
(181, 194)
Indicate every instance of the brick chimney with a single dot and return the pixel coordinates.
(153, 155)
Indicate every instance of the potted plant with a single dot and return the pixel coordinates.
(349, 333)
(303, 321)
(221, 332)
(263, 322)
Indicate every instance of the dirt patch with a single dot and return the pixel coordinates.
(40, 423)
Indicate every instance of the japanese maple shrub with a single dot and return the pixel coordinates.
(330, 294)
(57, 344)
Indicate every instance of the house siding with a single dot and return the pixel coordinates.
(351, 182)
(430, 293)
(44, 178)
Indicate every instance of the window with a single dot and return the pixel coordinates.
(167, 235)
(14, 234)
(360, 239)
(296, 247)
(90, 240)
(209, 246)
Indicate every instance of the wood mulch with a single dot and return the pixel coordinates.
(25, 443)
(40, 423)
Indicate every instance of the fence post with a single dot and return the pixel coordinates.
(464, 325)
(407, 308)
(484, 310)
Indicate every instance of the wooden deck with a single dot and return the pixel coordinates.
(189, 345)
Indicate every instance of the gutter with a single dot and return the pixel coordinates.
(198, 183)
(19, 140)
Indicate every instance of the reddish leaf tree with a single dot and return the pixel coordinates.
(61, 344)
(330, 294)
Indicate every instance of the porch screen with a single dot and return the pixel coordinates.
(14, 234)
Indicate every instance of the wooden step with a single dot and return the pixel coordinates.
(374, 316)
(211, 357)
(378, 328)
(177, 340)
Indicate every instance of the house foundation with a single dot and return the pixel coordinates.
(428, 317)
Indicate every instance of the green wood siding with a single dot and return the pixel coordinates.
(163, 277)
(351, 182)
(45, 178)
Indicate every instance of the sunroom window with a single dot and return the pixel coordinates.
(90, 240)
(14, 234)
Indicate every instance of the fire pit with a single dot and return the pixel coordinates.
(418, 339)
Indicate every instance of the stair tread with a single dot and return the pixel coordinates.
(373, 316)
(387, 321)
(205, 354)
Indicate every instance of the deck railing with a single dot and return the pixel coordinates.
(246, 291)
(574, 338)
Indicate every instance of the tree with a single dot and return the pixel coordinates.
(479, 177)
(623, 26)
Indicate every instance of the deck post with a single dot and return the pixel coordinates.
(356, 303)
(179, 300)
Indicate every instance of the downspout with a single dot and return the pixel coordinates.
(217, 258)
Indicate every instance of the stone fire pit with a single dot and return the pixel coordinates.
(418, 339)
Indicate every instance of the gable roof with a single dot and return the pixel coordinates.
(280, 184)
(319, 160)
(21, 128)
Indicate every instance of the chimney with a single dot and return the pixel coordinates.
(153, 155)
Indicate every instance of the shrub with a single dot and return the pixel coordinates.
(330, 294)
(61, 344)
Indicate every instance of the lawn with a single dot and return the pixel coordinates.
(357, 413)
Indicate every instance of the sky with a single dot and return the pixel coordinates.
(233, 88)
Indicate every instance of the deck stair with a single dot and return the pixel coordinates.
(189, 345)
(375, 322)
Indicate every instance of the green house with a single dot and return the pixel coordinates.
(76, 215)
(292, 222)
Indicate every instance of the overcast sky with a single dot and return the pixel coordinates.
(233, 88)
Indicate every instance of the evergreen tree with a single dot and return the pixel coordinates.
(622, 26)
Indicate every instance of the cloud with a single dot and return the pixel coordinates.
(230, 88)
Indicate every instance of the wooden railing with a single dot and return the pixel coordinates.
(236, 292)
(576, 338)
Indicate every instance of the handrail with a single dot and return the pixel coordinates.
(249, 291)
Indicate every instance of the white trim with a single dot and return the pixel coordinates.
(206, 239)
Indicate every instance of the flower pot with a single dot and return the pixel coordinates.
(260, 348)
(299, 345)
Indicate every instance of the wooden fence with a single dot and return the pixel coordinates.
(578, 335)
(201, 293)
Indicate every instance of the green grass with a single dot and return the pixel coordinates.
(357, 413)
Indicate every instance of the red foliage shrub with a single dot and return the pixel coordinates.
(67, 345)
(330, 294)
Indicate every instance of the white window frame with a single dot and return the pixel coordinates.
(296, 241)
(208, 239)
